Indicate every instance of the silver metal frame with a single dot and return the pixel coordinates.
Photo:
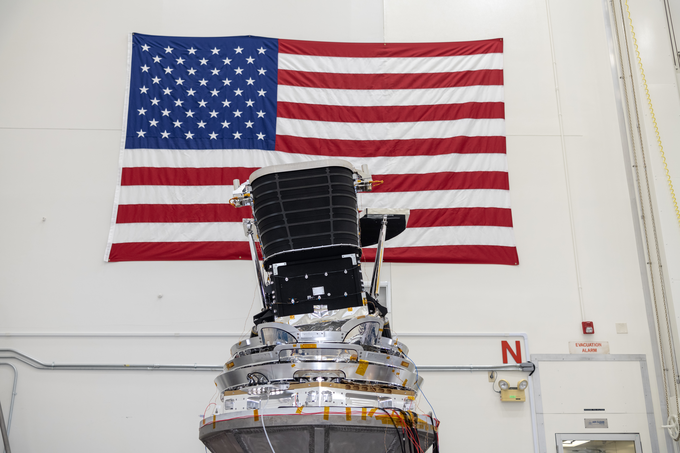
(284, 372)
(581, 436)
(537, 358)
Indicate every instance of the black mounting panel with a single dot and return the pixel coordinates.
(298, 286)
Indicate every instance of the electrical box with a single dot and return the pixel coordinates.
(511, 394)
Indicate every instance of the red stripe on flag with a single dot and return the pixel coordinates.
(396, 114)
(391, 183)
(333, 80)
(198, 251)
(179, 251)
(213, 176)
(419, 218)
(376, 148)
(423, 218)
(442, 181)
(467, 254)
(389, 50)
(181, 213)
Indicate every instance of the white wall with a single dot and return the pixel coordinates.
(63, 77)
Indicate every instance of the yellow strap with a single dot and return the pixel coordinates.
(363, 413)
(255, 416)
(348, 414)
(299, 410)
(326, 412)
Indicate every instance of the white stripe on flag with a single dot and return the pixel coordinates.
(467, 127)
(175, 194)
(178, 232)
(419, 65)
(436, 199)
(432, 199)
(256, 158)
(456, 235)
(374, 98)
(233, 231)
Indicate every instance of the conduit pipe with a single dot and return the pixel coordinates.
(12, 354)
(3, 432)
(565, 164)
(11, 404)
(525, 337)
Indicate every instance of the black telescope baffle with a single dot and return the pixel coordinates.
(307, 219)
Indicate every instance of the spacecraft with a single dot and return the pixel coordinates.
(322, 372)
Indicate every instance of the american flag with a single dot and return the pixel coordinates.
(427, 119)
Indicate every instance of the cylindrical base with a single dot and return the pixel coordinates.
(312, 431)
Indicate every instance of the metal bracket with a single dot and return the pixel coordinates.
(249, 227)
(375, 281)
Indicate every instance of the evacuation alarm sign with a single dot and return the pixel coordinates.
(588, 347)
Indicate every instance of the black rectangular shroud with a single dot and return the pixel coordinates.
(306, 214)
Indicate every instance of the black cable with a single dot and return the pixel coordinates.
(415, 429)
(411, 426)
(435, 442)
(413, 422)
(399, 434)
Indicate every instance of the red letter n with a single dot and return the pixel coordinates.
(517, 355)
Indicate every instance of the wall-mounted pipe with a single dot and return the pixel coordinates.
(532, 401)
(11, 404)
(12, 354)
(527, 367)
(3, 432)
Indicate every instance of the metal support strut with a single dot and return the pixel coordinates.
(375, 282)
(249, 226)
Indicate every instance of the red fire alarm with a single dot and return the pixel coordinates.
(588, 327)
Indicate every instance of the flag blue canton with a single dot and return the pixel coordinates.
(202, 93)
